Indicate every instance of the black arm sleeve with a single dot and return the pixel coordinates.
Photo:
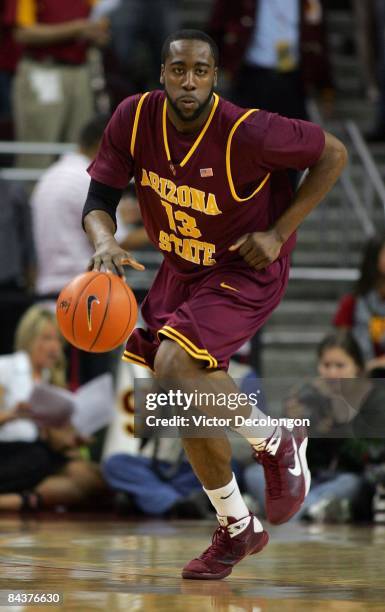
(102, 197)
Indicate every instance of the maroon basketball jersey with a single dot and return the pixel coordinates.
(199, 193)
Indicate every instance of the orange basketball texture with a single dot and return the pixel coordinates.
(96, 311)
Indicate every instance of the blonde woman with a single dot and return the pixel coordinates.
(39, 467)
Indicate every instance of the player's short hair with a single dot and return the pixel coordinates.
(92, 131)
(189, 35)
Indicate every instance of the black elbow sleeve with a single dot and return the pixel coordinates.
(102, 197)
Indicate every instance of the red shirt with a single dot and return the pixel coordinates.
(25, 13)
(344, 316)
(191, 206)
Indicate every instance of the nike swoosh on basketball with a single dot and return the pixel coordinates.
(296, 470)
(90, 300)
(227, 496)
(224, 286)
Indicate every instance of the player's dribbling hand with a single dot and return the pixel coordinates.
(259, 249)
(110, 255)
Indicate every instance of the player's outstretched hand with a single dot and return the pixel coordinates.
(110, 255)
(259, 249)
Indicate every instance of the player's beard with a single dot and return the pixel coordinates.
(197, 113)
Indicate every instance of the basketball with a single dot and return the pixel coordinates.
(96, 311)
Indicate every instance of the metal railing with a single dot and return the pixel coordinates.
(374, 184)
(36, 148)
(356, 200)
(30, 148)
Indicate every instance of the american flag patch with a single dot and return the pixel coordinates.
(205, 172)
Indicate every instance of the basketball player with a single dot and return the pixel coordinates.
(212, 184)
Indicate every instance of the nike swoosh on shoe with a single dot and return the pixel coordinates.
(296, 470)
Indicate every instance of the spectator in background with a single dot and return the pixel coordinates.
(157, 480)
(39, 467)
(62, 248)
(52, 93)
(343, 412)
(10, 52)
(274, 52)
(138, 28)
(17, 259)
(363, 311)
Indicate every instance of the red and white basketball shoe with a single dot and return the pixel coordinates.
(286, 471)
(232, 541)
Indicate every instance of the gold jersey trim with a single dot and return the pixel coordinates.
(132, 358)
(136, 121)
(188, 346)
(228, 161)
(26, 13)
(199, 138)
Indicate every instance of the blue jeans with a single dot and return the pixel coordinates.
(343, 486)
(135, 475)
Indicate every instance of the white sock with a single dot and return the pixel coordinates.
(259, 444)
(228, 500)
(264, 432)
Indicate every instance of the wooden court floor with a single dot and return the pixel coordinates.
(121, 565)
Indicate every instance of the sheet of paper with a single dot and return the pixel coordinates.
(94, 405)
(51, 405)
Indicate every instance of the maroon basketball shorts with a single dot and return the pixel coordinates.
(210, 317)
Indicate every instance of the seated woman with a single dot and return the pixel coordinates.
(40, 467)
(350, 414)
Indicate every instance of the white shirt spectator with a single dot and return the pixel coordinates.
(277, 21)
(63, 250)
(16, 384)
